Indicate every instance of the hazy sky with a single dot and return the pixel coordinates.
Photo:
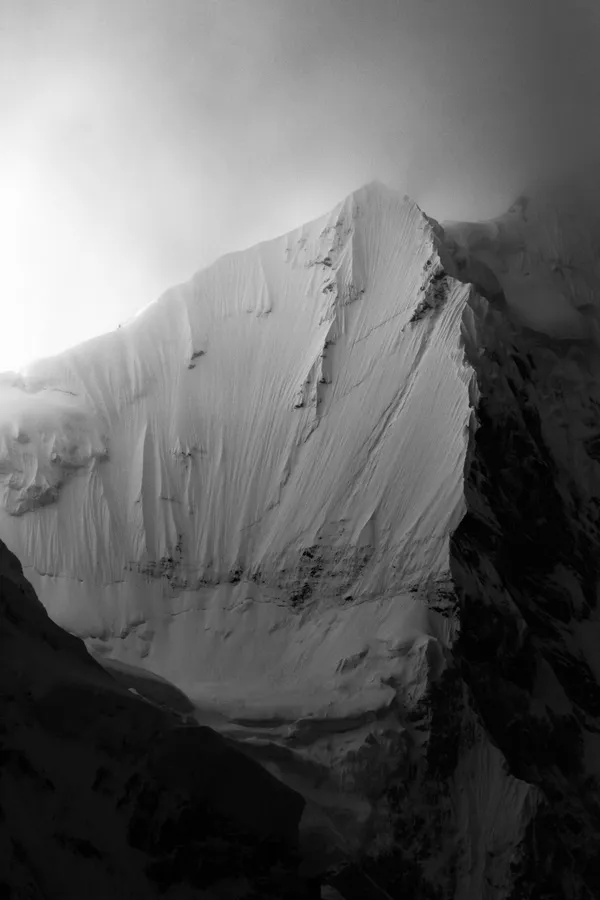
(140, 139)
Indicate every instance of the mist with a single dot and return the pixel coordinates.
(141, 139)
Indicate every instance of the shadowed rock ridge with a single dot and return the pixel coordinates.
(525, 563)
(104, 795)
(524, 558)
(512, 727)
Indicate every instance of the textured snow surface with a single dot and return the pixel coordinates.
(287, 430)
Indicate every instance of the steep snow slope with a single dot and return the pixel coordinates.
(103, 794)
(286, 430)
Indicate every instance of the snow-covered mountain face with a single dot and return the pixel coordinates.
(220, 486)
(342, 489)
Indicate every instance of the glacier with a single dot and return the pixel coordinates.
(342, 490)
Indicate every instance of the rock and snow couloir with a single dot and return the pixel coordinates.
(298, 486)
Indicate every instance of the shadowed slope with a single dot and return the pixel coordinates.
(103, 794)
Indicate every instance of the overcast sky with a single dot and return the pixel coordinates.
(140, 139)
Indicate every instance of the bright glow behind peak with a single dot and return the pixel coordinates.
(57, 289)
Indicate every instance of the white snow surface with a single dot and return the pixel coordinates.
(249, 487)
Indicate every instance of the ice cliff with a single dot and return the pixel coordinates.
(342, 489)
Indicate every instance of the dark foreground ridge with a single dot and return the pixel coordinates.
(104, 795)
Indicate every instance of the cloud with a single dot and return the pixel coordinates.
(167, 134)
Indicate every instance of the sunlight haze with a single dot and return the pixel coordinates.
(140, 140)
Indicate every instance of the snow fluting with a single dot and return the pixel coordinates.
(341, 489)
